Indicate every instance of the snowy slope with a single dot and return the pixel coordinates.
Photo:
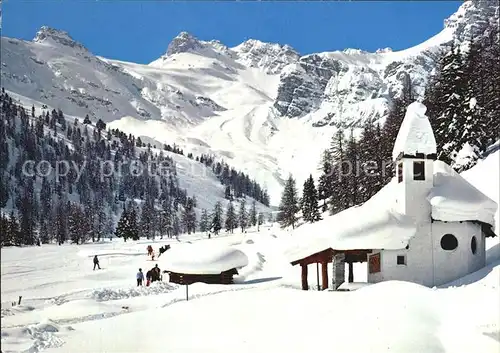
(261, 106)
(193, 176)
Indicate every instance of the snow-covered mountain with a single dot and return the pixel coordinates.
(250, 104)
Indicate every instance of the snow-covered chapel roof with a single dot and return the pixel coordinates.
(415, 134)
(377, 225)
(454, 199)
(373, 225)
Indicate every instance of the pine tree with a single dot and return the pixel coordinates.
(260, 220)
(231, 220)
(27, 209)
(45, 235)
(4, 191)
(390, 132)
(189, 217)
(340, 169)
(5, 237)
(309, 202)
(450, 105)
(289, 204)
(110, 224)
(13, 232)
(146, 224)
(352, 175)
(133, 228)
(176, 225)
(100, 125)
(243, 216)
(325, 183)
(253, 214)
(75, 219)
(165, 218)
(99, 217)
(121, 230)
(45, 200)
(227, 193)
(216, 225)
(204, 221)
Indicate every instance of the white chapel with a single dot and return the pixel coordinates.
(427, 226)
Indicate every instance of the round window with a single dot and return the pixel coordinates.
(449, 242)
(473, 245)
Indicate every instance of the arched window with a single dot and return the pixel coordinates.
(449, 242)
(473, 245)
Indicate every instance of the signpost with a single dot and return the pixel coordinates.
(187, 287)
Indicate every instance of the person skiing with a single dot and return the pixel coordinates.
(140, 277)
(148, 278)
(96, 262)
(150, 250)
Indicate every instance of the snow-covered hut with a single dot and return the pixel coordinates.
(427, 226)
(207, 263)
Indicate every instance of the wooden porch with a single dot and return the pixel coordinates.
(338, 258)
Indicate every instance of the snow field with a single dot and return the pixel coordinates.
(259, 313)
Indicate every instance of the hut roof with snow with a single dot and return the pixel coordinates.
(203, 259)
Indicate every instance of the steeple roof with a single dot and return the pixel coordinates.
(415, 135)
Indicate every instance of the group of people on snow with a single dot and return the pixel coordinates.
(152, 275)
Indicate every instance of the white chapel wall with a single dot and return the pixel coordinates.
(452, 264)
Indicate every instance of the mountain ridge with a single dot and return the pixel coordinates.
(247, 102)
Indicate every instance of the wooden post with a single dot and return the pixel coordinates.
(187, 292)
(324, 275)
(305, 285)
(19, 302)
(317, 275)
(351, 272)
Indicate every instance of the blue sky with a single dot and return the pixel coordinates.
(140, 31)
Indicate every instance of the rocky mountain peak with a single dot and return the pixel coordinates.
(182, 43)
(472, 18)
(51, 34)
(353, 51)
(384, 50)
(270, 57)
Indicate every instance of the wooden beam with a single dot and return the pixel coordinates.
(325, 255)
(317, 275)
(305, 285)
(324, 275)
